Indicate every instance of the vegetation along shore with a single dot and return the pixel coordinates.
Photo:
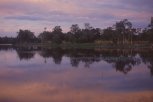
(121, 35)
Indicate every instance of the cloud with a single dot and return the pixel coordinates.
(66, 12)
(24, 18)
(144, 4)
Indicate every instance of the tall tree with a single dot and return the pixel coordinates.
(57, 35)
(88, 26)
(150, 31)
(57, 30)
(25, 36)
(123, 28)
(109, 35)
(75, 29)
(151, 23)
(45, 36)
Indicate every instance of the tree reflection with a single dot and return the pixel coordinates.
(87, 56)
(56, 54)
(147, 58)
(25, 54)
(123, 60)
(74, 62)
(126, 65)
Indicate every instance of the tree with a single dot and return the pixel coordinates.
(147, 34)
(69, 37)
(57, 35)
(7, 40)
(88, 26)
(151, 23)
(123, 29)
(150, 31)
(109, 35)
(75, 29)
(45, 36)
(57, 30)
(89, 34)
(25, 36)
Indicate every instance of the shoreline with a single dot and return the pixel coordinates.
(83, 46)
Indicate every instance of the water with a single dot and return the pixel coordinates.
(75, 75)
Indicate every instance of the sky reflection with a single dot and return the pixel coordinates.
(35, 80)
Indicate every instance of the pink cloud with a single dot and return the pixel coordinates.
(100, 13)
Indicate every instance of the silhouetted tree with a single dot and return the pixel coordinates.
(25, 36)
(70, 37)
(74, 29)
(147, 34)
(123, 29)
(89, 34)
(109, 35)
(7, 40)
(151, 23)
(45, 36)
(57, 35)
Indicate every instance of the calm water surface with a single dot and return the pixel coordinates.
(76, 75)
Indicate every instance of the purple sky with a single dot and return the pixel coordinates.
(37, 14)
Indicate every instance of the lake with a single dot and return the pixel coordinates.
(75, 75)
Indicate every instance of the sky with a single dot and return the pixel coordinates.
(35, 15)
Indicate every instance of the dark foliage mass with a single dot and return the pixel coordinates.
(121, 32)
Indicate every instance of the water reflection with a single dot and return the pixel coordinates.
(56, 54)
(24, 54)
(147, 58)
(75, 75)
(121, 60)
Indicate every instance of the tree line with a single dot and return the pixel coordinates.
(121, 32)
